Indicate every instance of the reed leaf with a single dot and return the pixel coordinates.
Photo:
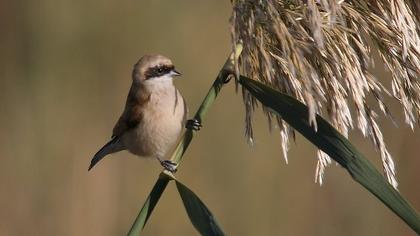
(149, 205)
(200, 216)
(329, 140)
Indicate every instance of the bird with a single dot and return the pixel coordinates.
(154, 115)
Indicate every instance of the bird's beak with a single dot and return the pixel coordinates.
(175, 73)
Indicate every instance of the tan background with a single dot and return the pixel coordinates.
(64, 73)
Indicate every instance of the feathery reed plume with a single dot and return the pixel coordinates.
(318, 51)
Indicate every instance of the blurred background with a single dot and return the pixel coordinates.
(65, 71)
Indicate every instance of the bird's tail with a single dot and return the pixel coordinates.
(112, 146)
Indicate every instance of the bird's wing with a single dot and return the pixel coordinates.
(124, 124)
(133, 112)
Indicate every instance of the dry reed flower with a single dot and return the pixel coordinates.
(318, 51)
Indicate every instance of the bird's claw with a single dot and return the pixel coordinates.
(193, 124)
(169, 165)
(227, 80)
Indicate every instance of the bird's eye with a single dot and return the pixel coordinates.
(160, 70)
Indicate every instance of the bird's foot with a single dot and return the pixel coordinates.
(169, 165)
(227, 80)
(193, 124)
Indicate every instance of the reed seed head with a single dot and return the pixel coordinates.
(320, 52)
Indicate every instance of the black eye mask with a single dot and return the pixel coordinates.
(158, 71)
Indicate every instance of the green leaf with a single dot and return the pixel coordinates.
(149, 205)
(200, 216)
(329, 140)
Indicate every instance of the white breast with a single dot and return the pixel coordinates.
(161, 124)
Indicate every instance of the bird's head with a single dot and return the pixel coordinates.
(154, 70)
